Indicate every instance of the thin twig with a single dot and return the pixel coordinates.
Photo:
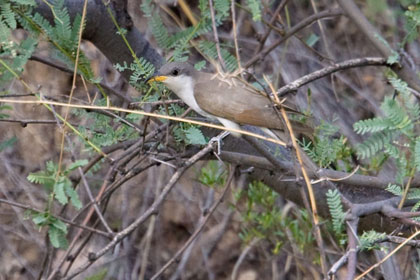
(407, 188)
(241, 258)
(352, 244)
(388, 256)
(216, 36)
(83, 227)
(311, 192)
(138, 112)
(235, 34)
(24, 123)
(199, 228)
(151, 211)
(296, 28)
(271, 23)
(67, 70)
(87, 188)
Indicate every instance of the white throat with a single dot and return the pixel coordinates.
(183, 86)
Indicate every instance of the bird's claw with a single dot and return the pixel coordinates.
(218, 139)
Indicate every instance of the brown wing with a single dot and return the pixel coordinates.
(237, 103)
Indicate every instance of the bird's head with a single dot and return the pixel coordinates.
(175, 75)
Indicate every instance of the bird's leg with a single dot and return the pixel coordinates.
(218, 139)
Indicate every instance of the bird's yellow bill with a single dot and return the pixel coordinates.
(157, 79)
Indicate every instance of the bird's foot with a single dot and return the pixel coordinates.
(218, 139)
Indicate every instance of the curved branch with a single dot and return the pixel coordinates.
(351, 63)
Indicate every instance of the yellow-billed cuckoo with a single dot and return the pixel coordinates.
(231, 103)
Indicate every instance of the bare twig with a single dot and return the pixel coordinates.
(388, 256)
(83, 227)
(351, 63)
(216, 36)
(151, 211)
(271, 22)
(199, 228)
(304, 23)
(138, 112)
(235, 34)
(87, 188)
(67, 70)
(406, 189)
(399, 240)
(352, 244)
(25, 123)
(241, 258)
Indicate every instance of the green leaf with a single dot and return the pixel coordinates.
(312, 39)
(5, 107)
(57, 237)
(373, 145)
(394, 189)
(195, 136)
(8, 15)
(46, 178)
(60, 194)
(77, 163)
(212, 174)
(255, 7)
(209, 48)
(336, 210)
(372, 125)
(155, 23)
(417, 153)
(399, 85)
(59, 225)
(7, 143)
(368, 240)
(25, 2)
(222, 8)
(40, 219)
(393, 58)
(200, 65)
(74, 197)
(99, 275)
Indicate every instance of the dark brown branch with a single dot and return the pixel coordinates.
(351, 63)
(101, 31)
(288, 168)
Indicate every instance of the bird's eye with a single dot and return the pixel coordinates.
(175, 72)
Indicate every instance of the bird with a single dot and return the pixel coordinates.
(225, 99)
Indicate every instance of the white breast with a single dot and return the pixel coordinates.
(183, 86)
